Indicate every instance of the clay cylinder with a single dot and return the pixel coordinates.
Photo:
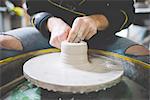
(74, 53)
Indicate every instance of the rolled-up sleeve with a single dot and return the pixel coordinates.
(37, 9)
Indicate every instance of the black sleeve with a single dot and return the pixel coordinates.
(120, 14)
(36, 6)
(39, 15)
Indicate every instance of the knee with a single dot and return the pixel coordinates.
(3, 41)
(10, 42)
(137, 50)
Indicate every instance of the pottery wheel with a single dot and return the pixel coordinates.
(72, 70)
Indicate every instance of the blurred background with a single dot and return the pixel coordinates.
(13, 15)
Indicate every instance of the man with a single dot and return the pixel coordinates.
(95, 21)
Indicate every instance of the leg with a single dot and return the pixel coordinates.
(10, 42)
(128, 48)
(25, 39)
(137, 50)
(120, 45)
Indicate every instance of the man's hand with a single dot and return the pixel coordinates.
(82, 28)
(59, 31)
(86, 27)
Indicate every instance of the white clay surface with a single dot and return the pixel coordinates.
(58, 72)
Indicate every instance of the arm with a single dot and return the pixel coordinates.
(39, 15)
(50, 27)
(84, 28)
(120, 15)
(110, 18)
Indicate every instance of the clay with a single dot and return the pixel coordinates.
(72, 70)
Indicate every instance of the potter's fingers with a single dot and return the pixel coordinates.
(55, 42)
(90, 34)
(73, 32)
(77, 39)
(61, 37)
(72, 36)
(52, 41)
(82, 29)
(79, 35)
(64, 35)
(81, 32)
(58, 42)
(85, 33)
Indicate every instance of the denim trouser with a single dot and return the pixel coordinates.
(32, 39)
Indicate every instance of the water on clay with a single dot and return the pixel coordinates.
(99, 73)
(127, 89)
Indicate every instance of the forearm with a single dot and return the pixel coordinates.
(101, 21)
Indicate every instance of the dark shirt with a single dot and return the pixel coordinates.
(118, 12)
